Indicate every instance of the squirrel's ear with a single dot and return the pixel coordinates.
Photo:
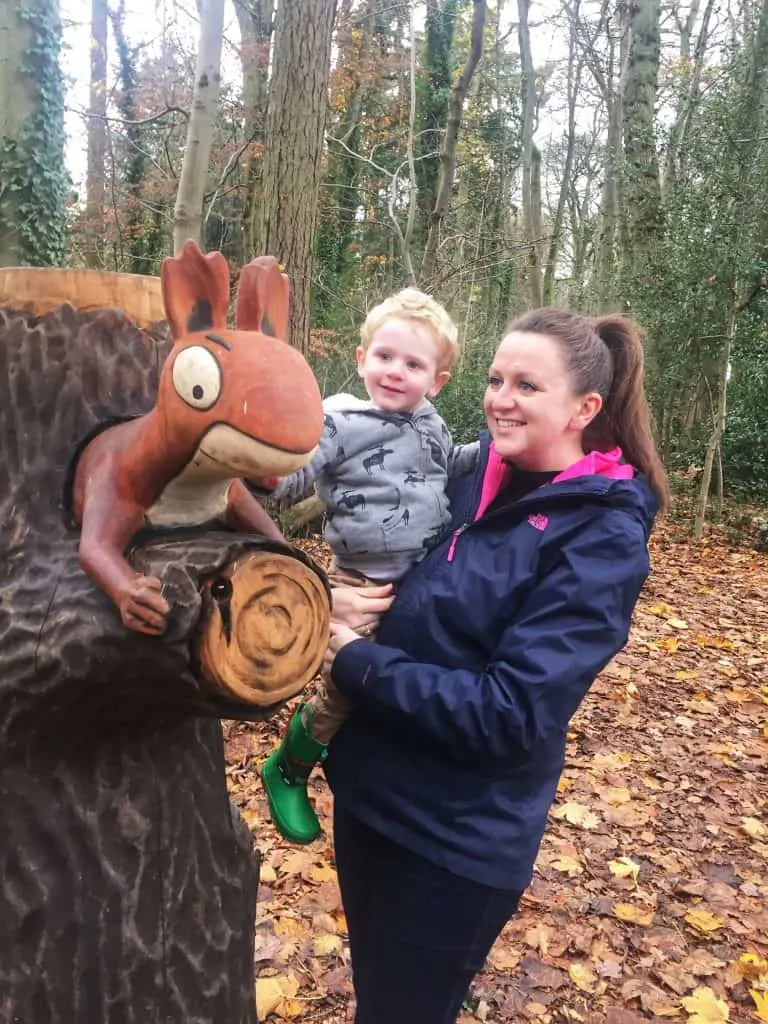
(263, 294)
(195, 290)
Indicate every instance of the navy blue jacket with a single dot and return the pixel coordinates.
(460, 710)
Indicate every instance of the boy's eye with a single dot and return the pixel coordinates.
(414, 365)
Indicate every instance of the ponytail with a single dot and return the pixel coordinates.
(606, 355)
(625, 407)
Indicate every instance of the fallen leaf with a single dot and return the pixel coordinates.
(577, 814)
(567, 865)
(703, 920)
(324, 873)
(761, 1003)
(633, 914)
(624, 867)
(704, 1007)
(754, 827)
(583, 977)
(270, 992)
(324, 945)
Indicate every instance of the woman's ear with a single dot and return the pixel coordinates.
(590, 405)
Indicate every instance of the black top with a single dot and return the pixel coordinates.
(521, 483)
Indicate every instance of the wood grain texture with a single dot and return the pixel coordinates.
(127, 881)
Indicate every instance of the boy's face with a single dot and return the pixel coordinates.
(399, 367)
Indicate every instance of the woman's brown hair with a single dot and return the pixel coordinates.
(605, 354)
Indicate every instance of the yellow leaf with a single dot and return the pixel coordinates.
(761, 1002)
(753, 827)
(704, 1007)
(564, 785)
(577, 814)
(270, 992)
(267, 872)
(677, 623)
(624, 867)
(686, 674)
(633, 914)
(660, 609)
(703, 920)
(583, 977)
(324, 873)
(324, 945)
(290, 1008)
(567, 865)
(670, 643)
(615, 795)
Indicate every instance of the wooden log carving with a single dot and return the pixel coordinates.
(265, 628)
(127, 880)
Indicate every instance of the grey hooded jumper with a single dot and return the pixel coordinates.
(383, 479)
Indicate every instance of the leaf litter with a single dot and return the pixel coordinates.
(650, 895)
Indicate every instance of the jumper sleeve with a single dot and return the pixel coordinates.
(463, 459)
(293, 487)
(544, 662)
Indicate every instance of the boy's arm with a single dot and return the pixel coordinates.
(463, 458)
(293, 487)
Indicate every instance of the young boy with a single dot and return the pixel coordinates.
(381, 468)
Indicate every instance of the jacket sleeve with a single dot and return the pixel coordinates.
(293, 487)
(463, 458)
(569, 627)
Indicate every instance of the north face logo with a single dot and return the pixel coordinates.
(538, 521)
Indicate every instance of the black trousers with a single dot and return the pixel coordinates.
(418, 933)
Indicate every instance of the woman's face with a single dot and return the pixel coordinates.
(534, 418)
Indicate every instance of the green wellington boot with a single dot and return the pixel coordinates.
(284, 775)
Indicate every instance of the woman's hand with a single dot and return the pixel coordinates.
(360, 608)
(340, 637)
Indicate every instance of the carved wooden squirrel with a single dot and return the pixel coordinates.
(231, 404)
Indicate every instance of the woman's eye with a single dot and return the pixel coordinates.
(197, 377)
(525, 385)
(494, 382)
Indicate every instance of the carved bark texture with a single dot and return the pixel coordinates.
(298, 101)
(127, 881)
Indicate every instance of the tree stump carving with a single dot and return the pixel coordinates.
(127, 880)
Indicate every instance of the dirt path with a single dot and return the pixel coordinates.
(650, 898)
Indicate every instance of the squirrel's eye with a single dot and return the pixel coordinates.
(197, 377)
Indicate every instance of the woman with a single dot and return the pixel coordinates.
(444, 775)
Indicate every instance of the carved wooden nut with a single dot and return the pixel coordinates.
(264, 628)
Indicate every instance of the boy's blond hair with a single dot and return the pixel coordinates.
(411, 304)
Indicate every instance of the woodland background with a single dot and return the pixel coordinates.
(374, 143)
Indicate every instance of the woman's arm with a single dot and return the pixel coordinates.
(567, 630)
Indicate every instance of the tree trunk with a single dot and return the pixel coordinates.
(188, 212)
(33, 180)
(255, 20)
(298, 101)
(97, 136)
(689, 92)
(572, 84)
(448, 154)
(718, 428)
(641, 198)
(531, 157)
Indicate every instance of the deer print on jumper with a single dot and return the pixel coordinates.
(383, 478)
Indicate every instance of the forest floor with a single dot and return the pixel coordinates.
(650, 896)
